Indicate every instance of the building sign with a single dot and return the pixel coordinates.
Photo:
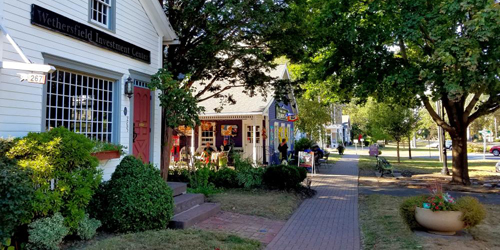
(281, 113)
(50, 20)
(33, 78)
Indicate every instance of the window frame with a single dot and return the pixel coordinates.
(213, 137)
(111, 26)
(65, 64)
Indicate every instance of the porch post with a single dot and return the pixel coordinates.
(192, 142)
(254, 145)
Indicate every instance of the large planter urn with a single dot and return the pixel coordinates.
(440, 222)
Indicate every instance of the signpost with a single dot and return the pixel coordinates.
(484, 133)
(356, 141)
(362, 144)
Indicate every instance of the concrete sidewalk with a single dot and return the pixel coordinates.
(330, 219)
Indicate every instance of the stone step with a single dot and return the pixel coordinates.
(187, 201)
(178, 188)
(194, 215)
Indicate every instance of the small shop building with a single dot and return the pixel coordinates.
(255, 125)
(84, 65)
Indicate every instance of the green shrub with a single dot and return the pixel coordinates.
(475, 148)
(226, 178)
(200, 178)
(61, 155)
(283, 177)
(178, 175)
(47, 233)
(303, 144)
(87, 228)
(5, 146)
(407, 210)
(247, 175)
(16, 194)
(135, 199)
(473, 210)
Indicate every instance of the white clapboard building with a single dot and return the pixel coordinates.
(68, 62)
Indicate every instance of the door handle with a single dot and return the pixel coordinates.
(134, 134)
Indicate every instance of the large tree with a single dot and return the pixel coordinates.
(412, 52)
(235, 41)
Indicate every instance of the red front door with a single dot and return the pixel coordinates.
(142, 105)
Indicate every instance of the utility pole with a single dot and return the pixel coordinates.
(445, 170)
(440, 134)
(496, 129)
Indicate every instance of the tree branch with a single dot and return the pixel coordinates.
(440, 122)
(488, 107)
(207, 86)
(471, 105)
(218, 93)
(403, 49)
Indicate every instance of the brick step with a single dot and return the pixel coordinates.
(178, 188)
(194, 215)
(186, 201)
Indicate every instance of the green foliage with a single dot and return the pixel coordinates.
(61, 155)
(47, 233)
(314, 116)
(407, 210)
(101, 146)
(341, 149)
(135, 199)
(303, 144)
(473, 210)
(475, 148)
(216, 44)
(5, 146)
(16, 192)
(226, 178)
(87, 228)
(247, 175)
(200, 178)
(179, 104)
(178, 175)
(284, 177)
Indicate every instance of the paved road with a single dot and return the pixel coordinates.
(330, 219)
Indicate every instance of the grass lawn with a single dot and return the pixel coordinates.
(276, 205)
(172, 239)
(383, 228)
(477, 168)
(333, 157)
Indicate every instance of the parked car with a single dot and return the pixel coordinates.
(495, 150)
(436, 145)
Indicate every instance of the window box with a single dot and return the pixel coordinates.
(107, 155)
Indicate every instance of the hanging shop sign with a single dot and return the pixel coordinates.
(50, 20)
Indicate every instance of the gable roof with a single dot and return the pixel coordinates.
(155, 12)
(245, 105)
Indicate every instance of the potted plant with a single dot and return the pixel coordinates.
(106, 151)
(439, 213)
(341, 149)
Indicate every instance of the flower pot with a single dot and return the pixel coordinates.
(107, 155)
(440, 222)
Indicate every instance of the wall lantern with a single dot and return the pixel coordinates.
(129, 87)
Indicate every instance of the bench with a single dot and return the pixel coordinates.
(383, 166)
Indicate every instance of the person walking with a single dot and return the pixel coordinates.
(283, 149)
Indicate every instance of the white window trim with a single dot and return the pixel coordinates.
(200, 137)
(111, 26)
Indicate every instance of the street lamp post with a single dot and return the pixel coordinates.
(445, 170)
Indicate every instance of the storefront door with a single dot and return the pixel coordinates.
(141, 133)
(248, 140)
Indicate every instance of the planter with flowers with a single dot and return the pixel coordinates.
(439, 213)
(107, 151)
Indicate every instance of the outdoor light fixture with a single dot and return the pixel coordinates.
(129, 87)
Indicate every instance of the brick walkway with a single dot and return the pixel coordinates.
(253, 227)
(330, 219)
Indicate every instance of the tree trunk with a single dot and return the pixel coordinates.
(398, 151)
(166, 151)
(460, 162)
(409, 146)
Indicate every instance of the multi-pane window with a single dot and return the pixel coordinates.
(101, 11)
(208, 134)
(80, 103)
(250, 134)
